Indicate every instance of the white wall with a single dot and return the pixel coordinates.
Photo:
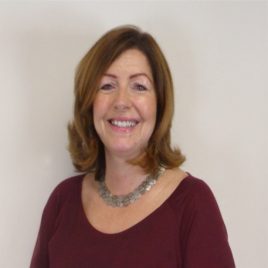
(218, 56)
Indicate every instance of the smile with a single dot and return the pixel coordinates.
(124, 123)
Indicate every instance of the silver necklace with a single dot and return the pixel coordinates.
(125, 200)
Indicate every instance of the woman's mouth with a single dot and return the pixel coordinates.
(123, 123)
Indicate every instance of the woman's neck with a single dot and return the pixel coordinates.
(122, 177)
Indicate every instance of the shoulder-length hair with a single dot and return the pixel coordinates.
(86, 148)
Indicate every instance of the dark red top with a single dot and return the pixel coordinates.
(186, 231)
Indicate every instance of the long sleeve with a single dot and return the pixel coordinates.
(205, 236)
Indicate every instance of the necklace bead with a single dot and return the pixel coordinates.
(125, 200)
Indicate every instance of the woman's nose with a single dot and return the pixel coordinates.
(122, 99)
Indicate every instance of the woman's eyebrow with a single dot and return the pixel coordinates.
(132, 76)
(141, 74)
(110, 75)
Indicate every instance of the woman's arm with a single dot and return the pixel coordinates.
(40, 257)
(205, 238)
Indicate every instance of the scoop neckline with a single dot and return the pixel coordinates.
(94, 231)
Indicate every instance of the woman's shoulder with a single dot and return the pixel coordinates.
(195, 185)
(69, 183)
(193, 190)
(67, 187)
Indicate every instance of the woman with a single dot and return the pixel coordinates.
(132, 206)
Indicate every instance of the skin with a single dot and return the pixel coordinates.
(126, 94)
(124, 114)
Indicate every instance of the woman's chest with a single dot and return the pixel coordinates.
(153, 244)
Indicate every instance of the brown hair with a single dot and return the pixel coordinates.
(87, 151)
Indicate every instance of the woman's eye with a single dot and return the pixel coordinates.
(106, 86)
(140, 87)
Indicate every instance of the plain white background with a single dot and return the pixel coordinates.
(217, 52)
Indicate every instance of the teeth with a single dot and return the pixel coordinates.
(123, 123)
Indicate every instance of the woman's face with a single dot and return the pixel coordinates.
(124, 110)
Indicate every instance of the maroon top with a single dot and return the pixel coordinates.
(186, 231)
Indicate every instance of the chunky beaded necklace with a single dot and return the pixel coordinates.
(125, 200)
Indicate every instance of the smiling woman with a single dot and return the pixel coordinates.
(132, 206)
(115, 50)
